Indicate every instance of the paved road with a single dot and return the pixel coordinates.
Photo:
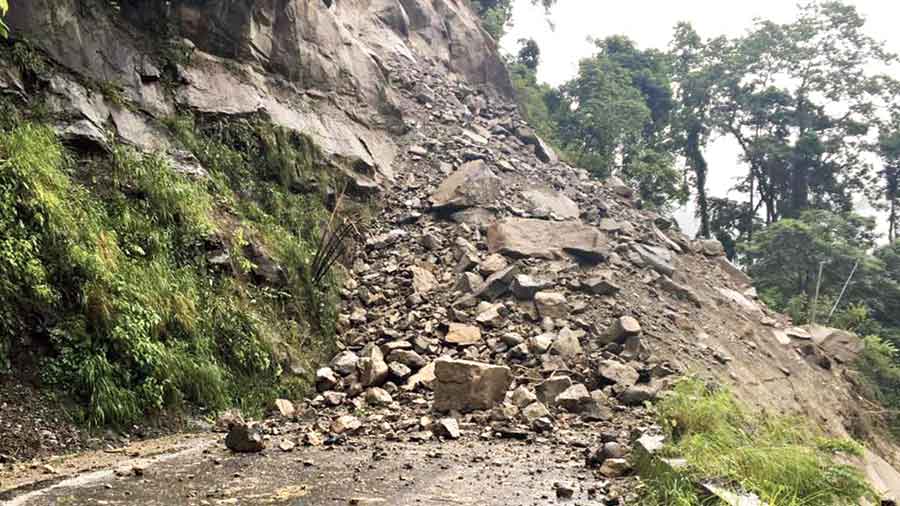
(366, 471)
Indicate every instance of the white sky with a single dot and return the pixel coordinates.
(649, 23)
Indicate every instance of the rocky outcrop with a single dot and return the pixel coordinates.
(311, 66)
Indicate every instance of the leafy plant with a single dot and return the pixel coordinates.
(782, 459)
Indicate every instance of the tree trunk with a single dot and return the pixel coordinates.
(698, 164)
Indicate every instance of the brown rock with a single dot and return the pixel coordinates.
(551, 305)
(463, 335)
(621, 328)
(463, 385)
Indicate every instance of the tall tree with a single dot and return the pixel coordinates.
(889, 150)
(697, 71)
(529, 54)
(615, 117)
(799, 98)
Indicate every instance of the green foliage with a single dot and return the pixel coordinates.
(105, 261)
(786, 255)
(879, 367)
(783, 460)
(4, 8)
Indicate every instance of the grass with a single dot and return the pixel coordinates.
(783, 460)
(103, 261)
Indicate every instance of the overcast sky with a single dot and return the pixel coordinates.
(649, 23)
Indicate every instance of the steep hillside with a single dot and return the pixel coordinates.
(212, 149)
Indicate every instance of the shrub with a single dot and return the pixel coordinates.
(105, 262)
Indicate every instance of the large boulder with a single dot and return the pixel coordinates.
(463, 385)
(472, 185)
(523, 237)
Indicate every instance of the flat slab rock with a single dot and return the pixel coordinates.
(544, 202)
(524, 237)
(473, 184)
(463, 385)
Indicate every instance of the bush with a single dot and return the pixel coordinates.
(880, 372)
(105, 262)
(781, 459)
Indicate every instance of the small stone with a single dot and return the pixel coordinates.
(524, 287)
(399, 371)
(344, 363)
(346, 423)
(534, 411)
(615, 468)
(285, 407)
(551, 305)
(636, 395)
(523, 396)
(378, 397)
(574, 399)
(618, 373)
(549, 389)
(463, 335)
(464, 385)
(492, 264)
(567, 344)
(613, 450)
(621, 328)
(286, 445)
(326, 379)
(563, 491)
(541, 344)
(446, 428)
(408, 358)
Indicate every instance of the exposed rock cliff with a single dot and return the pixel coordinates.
(487, 256)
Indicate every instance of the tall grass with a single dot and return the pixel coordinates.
(783, 460)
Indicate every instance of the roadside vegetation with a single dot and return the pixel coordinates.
(136, 289)
(783, 460)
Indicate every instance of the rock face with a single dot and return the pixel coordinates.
(522, 237)
(463, 385)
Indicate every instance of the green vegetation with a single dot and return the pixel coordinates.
(104, 262)
(496, 14)
(4, 8)
(880, 374)
(782, 460)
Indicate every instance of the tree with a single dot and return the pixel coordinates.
(496, 14)
(615, 116)
(787, 255)
(799, 99)
(697, 71)
(529, 54)
(889, 150)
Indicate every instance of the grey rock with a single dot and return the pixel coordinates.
(522, 237)
(472, 185)
(549, 389)
(344, 363)
(524, 287)
(242, 438)
(573, 399)
(622, 375)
